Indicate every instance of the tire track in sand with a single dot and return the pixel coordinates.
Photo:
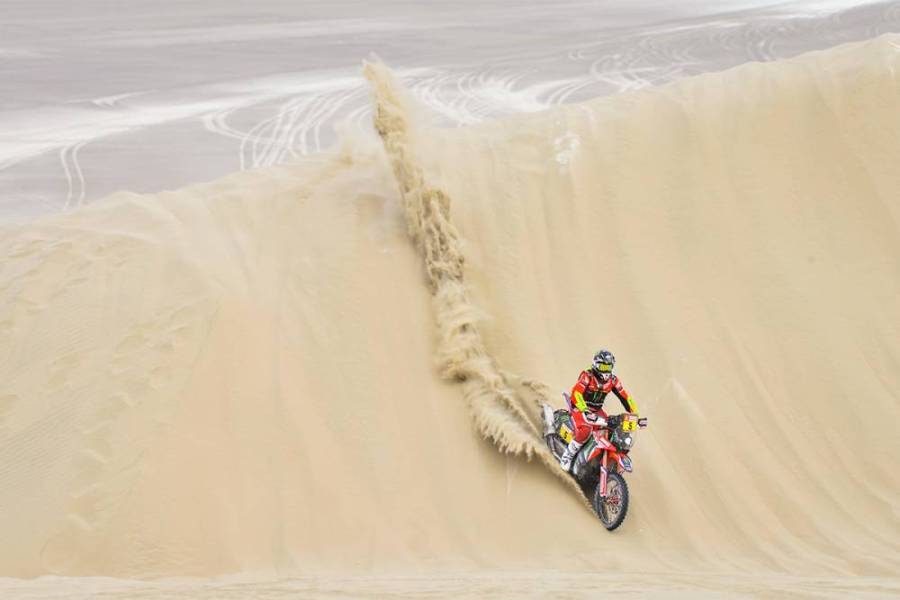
(77, 188)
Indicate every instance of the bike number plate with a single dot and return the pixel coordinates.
(565, 434)
(629, 425)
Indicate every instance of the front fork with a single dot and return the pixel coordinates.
(603, 474)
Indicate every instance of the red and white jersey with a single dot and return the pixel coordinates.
(589, 393)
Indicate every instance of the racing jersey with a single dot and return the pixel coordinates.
(589, 393)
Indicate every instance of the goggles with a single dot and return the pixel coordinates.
(605, 368)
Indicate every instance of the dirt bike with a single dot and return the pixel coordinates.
(599, 465)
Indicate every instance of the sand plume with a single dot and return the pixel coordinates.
(498, 413)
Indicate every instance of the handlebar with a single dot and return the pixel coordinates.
(614, 421)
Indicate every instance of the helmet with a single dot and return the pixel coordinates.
(603, 364)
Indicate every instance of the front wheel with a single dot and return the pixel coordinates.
(614, 506)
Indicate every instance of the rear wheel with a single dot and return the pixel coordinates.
(614, 506)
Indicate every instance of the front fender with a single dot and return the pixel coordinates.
(622, 460)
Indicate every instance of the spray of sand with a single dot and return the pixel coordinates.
(499, 414)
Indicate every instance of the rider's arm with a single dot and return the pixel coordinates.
(578, 392)
(624, 397)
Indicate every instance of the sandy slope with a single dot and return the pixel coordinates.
(241, 377)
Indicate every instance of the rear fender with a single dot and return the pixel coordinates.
(547, 418)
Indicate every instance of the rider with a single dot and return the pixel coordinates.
(586, 401)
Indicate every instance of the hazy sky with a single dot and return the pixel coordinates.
(144, 96)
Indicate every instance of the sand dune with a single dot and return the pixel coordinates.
(258, 375)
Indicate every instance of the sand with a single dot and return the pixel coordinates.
(262, 382)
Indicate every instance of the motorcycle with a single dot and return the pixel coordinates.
(600, 463)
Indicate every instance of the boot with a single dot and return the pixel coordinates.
(565, 461)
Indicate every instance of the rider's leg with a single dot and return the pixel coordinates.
(581, 432)
(571, 451)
